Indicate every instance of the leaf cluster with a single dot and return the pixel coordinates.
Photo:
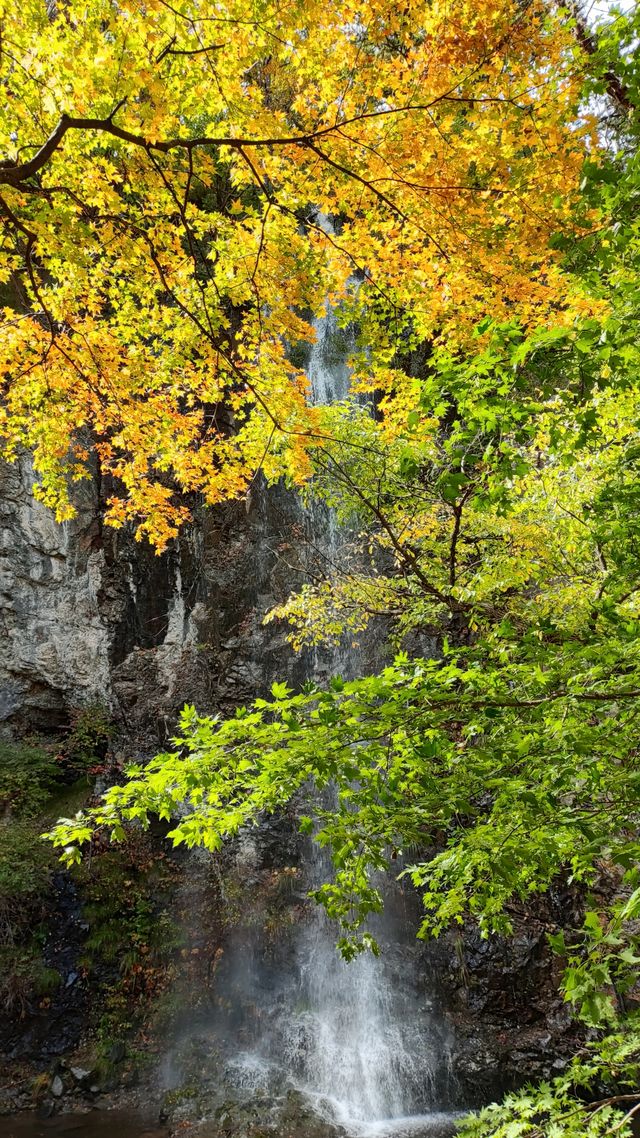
(495, 498)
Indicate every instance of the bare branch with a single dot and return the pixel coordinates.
(171, 50)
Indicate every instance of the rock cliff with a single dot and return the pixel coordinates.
(87, 613)
(56, 640)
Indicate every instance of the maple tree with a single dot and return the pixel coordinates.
(166, 171)
(163, 174)
(495, 507)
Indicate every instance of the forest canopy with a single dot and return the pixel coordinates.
(167, 177)
(165, 170)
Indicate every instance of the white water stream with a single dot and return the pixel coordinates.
(360, 1043)
(354, 1045)
(356, 1038)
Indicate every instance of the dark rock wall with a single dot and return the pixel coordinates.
(501, 996)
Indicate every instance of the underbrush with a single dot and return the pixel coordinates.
(123, 895)
(133, 936)
(28, 776)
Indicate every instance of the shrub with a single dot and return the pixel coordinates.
(28, 774)
(88, 738)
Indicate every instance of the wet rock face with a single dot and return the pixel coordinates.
(54, 1026)
(287, 1115)
(503, 1001)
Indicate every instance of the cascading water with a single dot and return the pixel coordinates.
(360, 1043)
(356, 1045)
(327, 367)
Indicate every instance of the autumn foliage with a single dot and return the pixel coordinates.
(169, 177)
(165, 172)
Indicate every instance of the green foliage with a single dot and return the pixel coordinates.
(28, 774)
(133, 934)
(516, 766)
(87, 739)
(501, 518)
(24, 979)
(24, 862)
(31, 785)
(26, 867)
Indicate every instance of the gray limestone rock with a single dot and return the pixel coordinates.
(57, 1087)
(77, 601)
(55, 644)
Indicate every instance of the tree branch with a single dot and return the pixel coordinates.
(616, 89)
(171, 50)
(14, 174)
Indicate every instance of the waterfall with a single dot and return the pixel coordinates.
(361, 1046)
(360, 1043)
(327, 368)
(357, 1044)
